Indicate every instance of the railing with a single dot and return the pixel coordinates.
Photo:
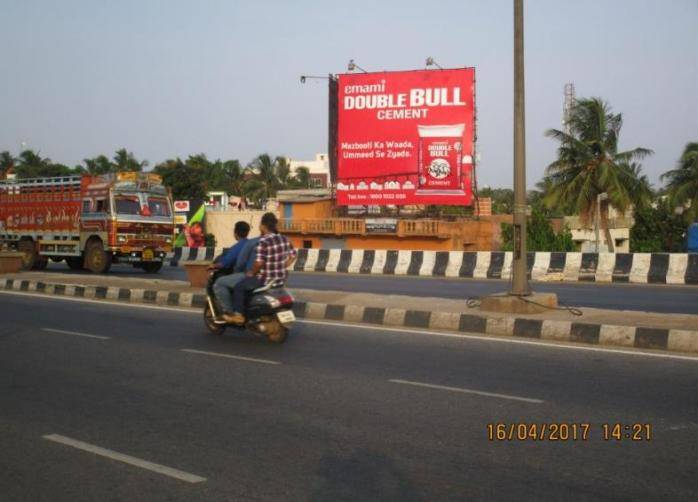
(349, 226)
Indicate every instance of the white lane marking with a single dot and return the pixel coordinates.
(468, 391)
(74, 333)
(126, 459)
(230, 356)
(375, 327)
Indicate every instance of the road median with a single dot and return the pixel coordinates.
(642, 330)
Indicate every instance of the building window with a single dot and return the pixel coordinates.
(307, 244)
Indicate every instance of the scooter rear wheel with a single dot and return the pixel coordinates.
(276, 332)
(209, 321)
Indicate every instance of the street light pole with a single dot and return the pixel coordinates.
(519, 284)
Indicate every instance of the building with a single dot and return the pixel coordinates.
(319, 169)
(584, 234)
(309, 219)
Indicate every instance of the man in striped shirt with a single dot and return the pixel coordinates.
(275, 254)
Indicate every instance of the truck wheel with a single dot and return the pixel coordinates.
(151, 267)
(28, 248)
(74, 262)
(97, 260)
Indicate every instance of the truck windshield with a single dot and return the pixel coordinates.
(159, 206)
(127, 204)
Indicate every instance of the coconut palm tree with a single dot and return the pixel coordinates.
(589, 164)
(126, 161)
(682, 182)
(98, 165)
(302, 177)
(235, 176)
(265, 178)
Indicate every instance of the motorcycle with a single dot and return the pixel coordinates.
(268, 311)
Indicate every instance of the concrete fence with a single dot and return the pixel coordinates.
(655, 268)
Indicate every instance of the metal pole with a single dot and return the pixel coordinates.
(519, 283)
(596, 221)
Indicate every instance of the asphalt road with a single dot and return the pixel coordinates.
(322, 417)
(644, 298)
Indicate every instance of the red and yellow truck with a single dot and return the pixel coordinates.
(88, 221)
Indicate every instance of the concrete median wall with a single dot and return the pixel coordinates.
(638, 268)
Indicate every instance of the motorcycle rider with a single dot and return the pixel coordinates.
(274, 254)
(223, 286)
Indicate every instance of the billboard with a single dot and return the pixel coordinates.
(406, 137)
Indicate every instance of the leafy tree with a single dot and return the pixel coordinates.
(7, 162)
(31, 164)
(502, 199)
(186, 180)
(539, 233)
(125, 161)
(589, 164)
(657, 228)
(682, 182)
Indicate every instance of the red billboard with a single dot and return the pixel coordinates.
(406, 137)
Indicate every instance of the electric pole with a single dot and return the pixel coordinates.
(519, 283)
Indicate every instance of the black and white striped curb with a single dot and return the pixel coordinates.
(562, 331)
(112, 293)
(640, 268)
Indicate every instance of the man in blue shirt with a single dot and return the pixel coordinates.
(223, 287)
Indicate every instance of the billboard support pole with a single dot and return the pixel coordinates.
(519, 283)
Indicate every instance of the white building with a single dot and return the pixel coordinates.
(584, 235)
(319, 169)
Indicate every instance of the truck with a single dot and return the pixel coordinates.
(90, 221)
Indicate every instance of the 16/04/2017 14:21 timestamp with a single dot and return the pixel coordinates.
(568, 431)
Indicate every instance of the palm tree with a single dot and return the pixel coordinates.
(302, 177)
(589, 164)
(125, 161)
(683, 181)
(98, 165)
(235, 176)
(265, 180)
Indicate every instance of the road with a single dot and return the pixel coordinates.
(644, 298)
(337, 413)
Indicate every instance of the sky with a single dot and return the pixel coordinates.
(173, 78)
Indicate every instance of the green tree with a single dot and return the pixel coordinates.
(98, 165)
(186, 181)
(539, 234)
(7, 162)
(266, 178)
(682, 182)
(301, 178)
(235, 177)
(31, 164)
(589, 164)
(502, 199)
(126, 161)
(657, 228)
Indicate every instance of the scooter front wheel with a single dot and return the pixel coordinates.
(210, 322)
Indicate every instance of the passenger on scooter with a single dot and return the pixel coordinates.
(223, 286)
(274, 254)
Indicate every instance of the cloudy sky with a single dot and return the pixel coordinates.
(172, 78)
